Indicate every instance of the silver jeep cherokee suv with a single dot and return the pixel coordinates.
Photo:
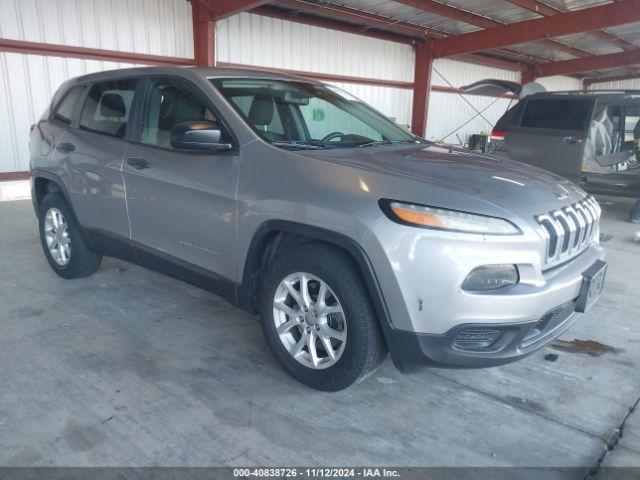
(295, 200)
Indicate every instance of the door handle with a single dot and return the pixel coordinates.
(572, 140)
(65, 147)
(138, 163)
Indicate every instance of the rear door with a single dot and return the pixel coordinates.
(48, 133)
(91, 153)
(552, 133)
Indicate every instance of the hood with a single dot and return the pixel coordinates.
(507, 185)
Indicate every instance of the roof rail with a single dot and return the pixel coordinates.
(591, 92)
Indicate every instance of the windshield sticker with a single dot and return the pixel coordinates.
(318, 114)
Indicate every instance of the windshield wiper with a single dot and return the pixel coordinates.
(379, 143)
(299, 145)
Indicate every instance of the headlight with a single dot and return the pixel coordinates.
(444, 219)
(491, 277)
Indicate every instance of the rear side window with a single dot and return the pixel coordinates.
(557, 113)
(64, 112)
(511, 118)
(106, 109)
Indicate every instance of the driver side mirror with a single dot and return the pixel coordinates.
(199, 135)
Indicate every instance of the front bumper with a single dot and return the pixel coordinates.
(514, 341)
(421, 273)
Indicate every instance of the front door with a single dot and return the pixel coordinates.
(181, 203)
(552, 134)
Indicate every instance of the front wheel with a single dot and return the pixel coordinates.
(318, 318)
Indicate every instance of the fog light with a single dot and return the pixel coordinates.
(476, 338)
(491, 277)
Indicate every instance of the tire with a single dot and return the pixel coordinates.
(634, 214)
(78, 260)
(352, 318)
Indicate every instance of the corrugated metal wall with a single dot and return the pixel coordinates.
(27, 82)
(163, 27)
(156, 27)
(631, 84)
(560, 83)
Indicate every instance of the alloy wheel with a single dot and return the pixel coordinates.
(309, 320)
(56, 232)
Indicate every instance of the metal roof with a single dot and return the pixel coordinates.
(477, 15)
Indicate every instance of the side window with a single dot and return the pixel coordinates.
(169, 102)
(106, 109)
(557, 113)
(511, 118)
(66, 107)
(605, 130)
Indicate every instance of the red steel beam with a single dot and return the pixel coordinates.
(481, 21)
(204, 34)
(205, 13)
(421, 88)
(67, 51)
(548, 11)
(586, 20)
(220, 9)
(596, 62)
(10, 176)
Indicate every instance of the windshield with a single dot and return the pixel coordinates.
(292, 114)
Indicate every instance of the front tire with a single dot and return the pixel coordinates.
(64, 246)
(318, 319)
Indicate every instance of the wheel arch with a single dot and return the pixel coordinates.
(273, 235)
(43, 183)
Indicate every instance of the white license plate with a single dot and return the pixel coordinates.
(592, 285)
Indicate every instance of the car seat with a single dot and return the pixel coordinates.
(171, 106)
(602, 133)
(261, 116)
(113, 111)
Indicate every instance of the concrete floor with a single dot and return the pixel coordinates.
(133, 368)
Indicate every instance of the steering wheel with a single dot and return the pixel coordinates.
(332, 135)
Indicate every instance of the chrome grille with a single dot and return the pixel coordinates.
(569, 230)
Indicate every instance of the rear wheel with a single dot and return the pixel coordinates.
(64, 246)
(318, 318)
